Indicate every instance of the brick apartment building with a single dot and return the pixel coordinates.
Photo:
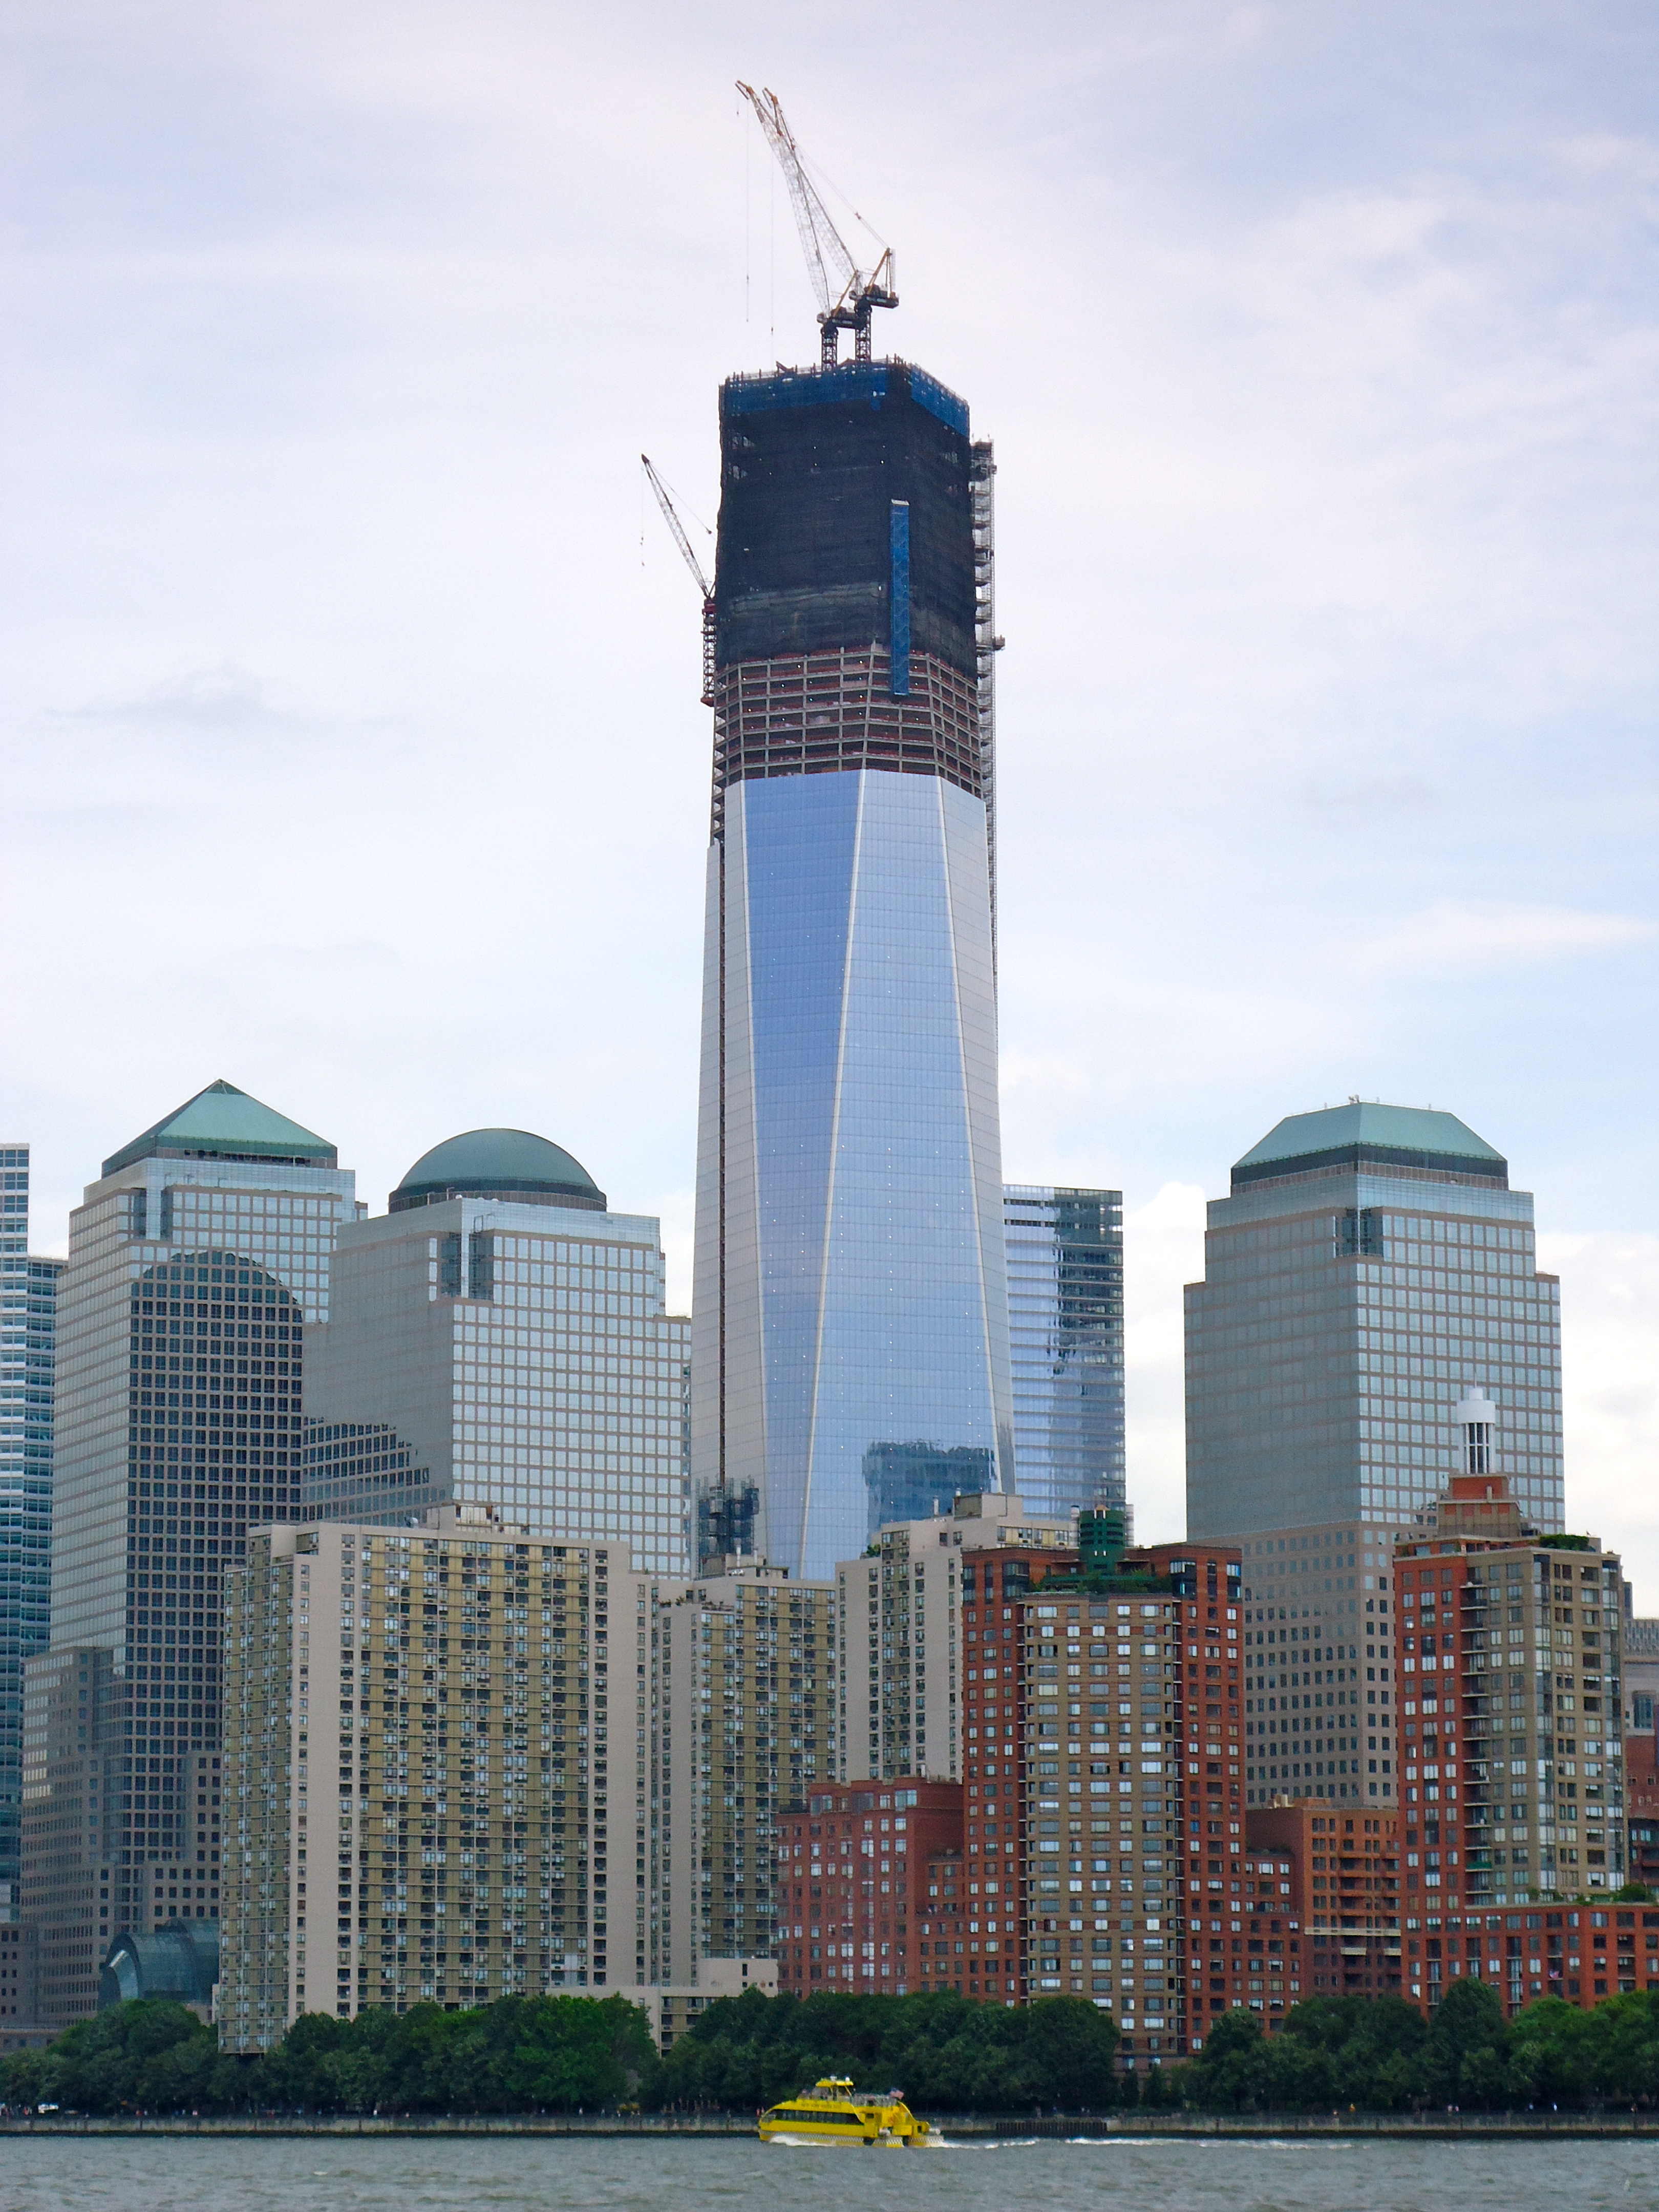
(1099, 1824)
(1511, 1754)
(1098, 1845)
(941, 1945)
(1642, 1808)
(1339, 1872)
(1103, 1817)
(853, 1866)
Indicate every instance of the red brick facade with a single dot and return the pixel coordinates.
(1096, 1847)
(1339, 1872)
(854, 1864)
(1642, 1808)
(1511, 1760)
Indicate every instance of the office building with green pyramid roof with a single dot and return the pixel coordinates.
(1370, 1306)
(1370, 1268)
(195, 1261)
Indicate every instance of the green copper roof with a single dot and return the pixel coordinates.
(498, 1163)
(1403, 1136)
(222, 1122)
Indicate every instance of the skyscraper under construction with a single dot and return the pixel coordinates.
(850, 1300)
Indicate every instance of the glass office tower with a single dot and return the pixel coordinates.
(1371, 1265)
(29, 1306)
(498, 1339)
(850, 1293)
(194, 1262)
(1065, 1329)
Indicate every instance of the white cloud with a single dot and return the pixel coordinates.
(221, 699)
(1162, 1250)
(1610, 1392)
(678, 1210)
(1465, 938)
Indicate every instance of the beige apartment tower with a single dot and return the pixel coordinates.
(898, 1618)
(436, 1769)
(744, 1665)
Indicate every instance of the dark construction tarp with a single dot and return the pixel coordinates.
(811, 463)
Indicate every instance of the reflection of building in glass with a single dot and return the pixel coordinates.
(72, 1737)
(909, 1482)
(179, 1964)
(362, 1471)
(726, 1526)
(1370, 1267)
(850, 1286)
(1065, 1328)
(498, 1339)
(193, 1262)
(28, 1315)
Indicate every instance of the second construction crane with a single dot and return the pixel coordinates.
(670, 516)
(847, 293)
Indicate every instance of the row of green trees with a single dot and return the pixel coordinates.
(1377, 2054)
(561, 2054)
(550, 2054)
(946, 2053)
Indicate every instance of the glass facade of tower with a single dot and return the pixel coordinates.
(194, 1263)
(1370, 1266)
(28, 1303)
(1066, 1333)
(850, 1296)
(518, 1356)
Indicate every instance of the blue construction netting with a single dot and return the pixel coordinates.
(899, 599)
(806, 387)
(865, 380)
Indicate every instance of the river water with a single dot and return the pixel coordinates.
(199, 2174)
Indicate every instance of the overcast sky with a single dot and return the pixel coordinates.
(353, 749)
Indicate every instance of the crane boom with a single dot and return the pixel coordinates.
(845, 293)
(670, 515)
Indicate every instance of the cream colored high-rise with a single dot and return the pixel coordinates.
(435, 1770)
(744, 1666)
(897, 1618)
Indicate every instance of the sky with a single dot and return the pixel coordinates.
(348, 684)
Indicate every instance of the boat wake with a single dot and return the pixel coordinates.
(929, 2143)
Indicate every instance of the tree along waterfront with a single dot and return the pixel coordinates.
(569, 2053)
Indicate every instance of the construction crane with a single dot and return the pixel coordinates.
(671, 518)
(845, 293)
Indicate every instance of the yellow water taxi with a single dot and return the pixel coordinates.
(830, 2113)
